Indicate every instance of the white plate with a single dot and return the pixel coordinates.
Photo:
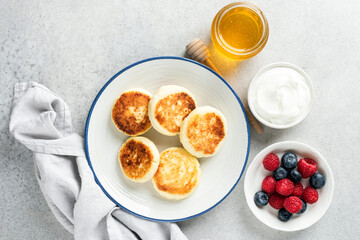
(220, 173)
(268, 215)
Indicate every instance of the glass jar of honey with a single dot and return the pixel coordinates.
(239, 30)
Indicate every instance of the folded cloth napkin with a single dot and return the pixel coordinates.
(42, 122)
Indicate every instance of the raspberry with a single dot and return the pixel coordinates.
(276, 201)
(271, 162)
(269, 184)
(310, 195)
(298, 189)
(307, 167)
(293, 204)
(285, 187)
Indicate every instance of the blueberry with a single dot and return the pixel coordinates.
(295, 176)
(284, 215)
(304, 207)
(280, 173)
(289, 160)
(317, 180)
(261, 199)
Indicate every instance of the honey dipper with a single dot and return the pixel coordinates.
(198, 51)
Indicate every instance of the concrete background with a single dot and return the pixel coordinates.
(73, 47)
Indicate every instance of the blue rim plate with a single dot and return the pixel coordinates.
(103, 185)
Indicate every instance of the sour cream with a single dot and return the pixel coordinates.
(280, 95)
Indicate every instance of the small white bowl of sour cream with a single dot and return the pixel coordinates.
(280, 95)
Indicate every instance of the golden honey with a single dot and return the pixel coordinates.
(239, 30)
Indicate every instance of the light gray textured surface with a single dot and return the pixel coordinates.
(74, 47)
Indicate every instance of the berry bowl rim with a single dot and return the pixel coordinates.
(252, 184)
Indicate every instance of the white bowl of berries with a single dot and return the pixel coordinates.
(289, 186)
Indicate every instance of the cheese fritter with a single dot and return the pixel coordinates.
(169, 107)
(130, 112)
(139, 159)
(203, 131)
(178, 174)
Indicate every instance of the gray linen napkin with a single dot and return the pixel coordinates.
(42, 122)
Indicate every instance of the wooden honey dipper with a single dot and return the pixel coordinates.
(198, 51)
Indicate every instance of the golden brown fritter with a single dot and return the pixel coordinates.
(173, 109)
(130, 113)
